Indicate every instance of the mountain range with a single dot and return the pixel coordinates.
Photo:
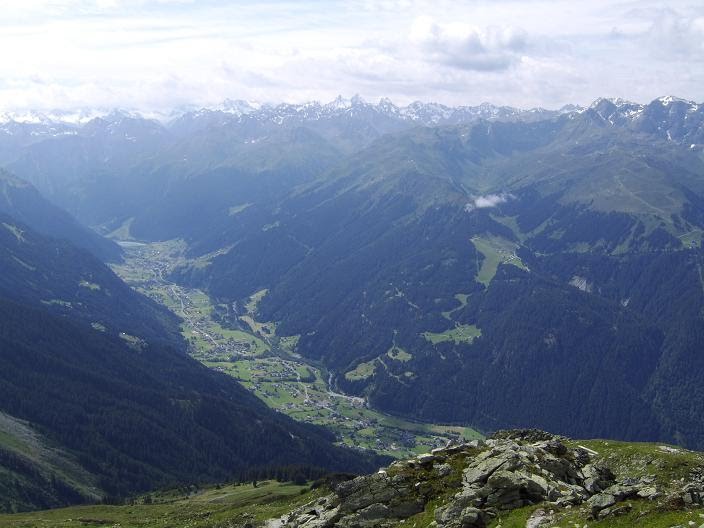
(42, 124)
(475, 265)
(418, 111)
(124, 155)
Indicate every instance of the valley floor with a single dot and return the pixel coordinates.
(228, 338)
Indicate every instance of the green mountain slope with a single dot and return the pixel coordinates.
(72, 283)
(451, 244)
(37, 473)
(558, 254)
(22, 201)
(234, 505)
(131, 409)
(144, 419)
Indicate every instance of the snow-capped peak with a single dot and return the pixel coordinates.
(669, 99)
(340, 103)
(616, 101)
(385, 106)
(426, 112)
(118, 114)
(357, 100)
(30, 117)
(77, 117)
(571, 109)
(238, 107)
(615, 111)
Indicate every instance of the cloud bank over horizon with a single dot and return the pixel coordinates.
(162, 54)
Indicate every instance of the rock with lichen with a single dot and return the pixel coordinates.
(469, 485)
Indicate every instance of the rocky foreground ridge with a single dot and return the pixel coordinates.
(527, 474)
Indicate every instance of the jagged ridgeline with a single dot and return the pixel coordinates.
(488, 267)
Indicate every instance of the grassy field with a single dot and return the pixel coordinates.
(266, 329)
(362, 371)
(398, 354)
(512, 223)
(627, 458)
(458, 334)
(123, 232)
(462, 298)
(253, 304)
(496, 250)
(693, 239)
(214, 507)
(267, 364)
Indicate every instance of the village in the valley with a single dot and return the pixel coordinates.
(228, 338)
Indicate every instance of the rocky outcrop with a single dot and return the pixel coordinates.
(512, 472)
(468, 485)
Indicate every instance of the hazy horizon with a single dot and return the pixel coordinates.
(85, 114)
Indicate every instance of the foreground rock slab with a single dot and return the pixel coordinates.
(470, 485)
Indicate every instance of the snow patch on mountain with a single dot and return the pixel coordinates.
(675, 119)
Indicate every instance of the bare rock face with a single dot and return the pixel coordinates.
(514, 469)
(472, 484)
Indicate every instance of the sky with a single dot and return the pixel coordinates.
(155, 55)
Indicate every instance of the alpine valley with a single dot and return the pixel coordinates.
(384, 278)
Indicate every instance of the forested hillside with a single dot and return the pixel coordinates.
(99, 373)
(70, 282)
(23, 202)
(533, 273)
(447, 266)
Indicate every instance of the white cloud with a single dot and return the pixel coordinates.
(487, 201)
(467, 47)
(673, 36)
(146, 53)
